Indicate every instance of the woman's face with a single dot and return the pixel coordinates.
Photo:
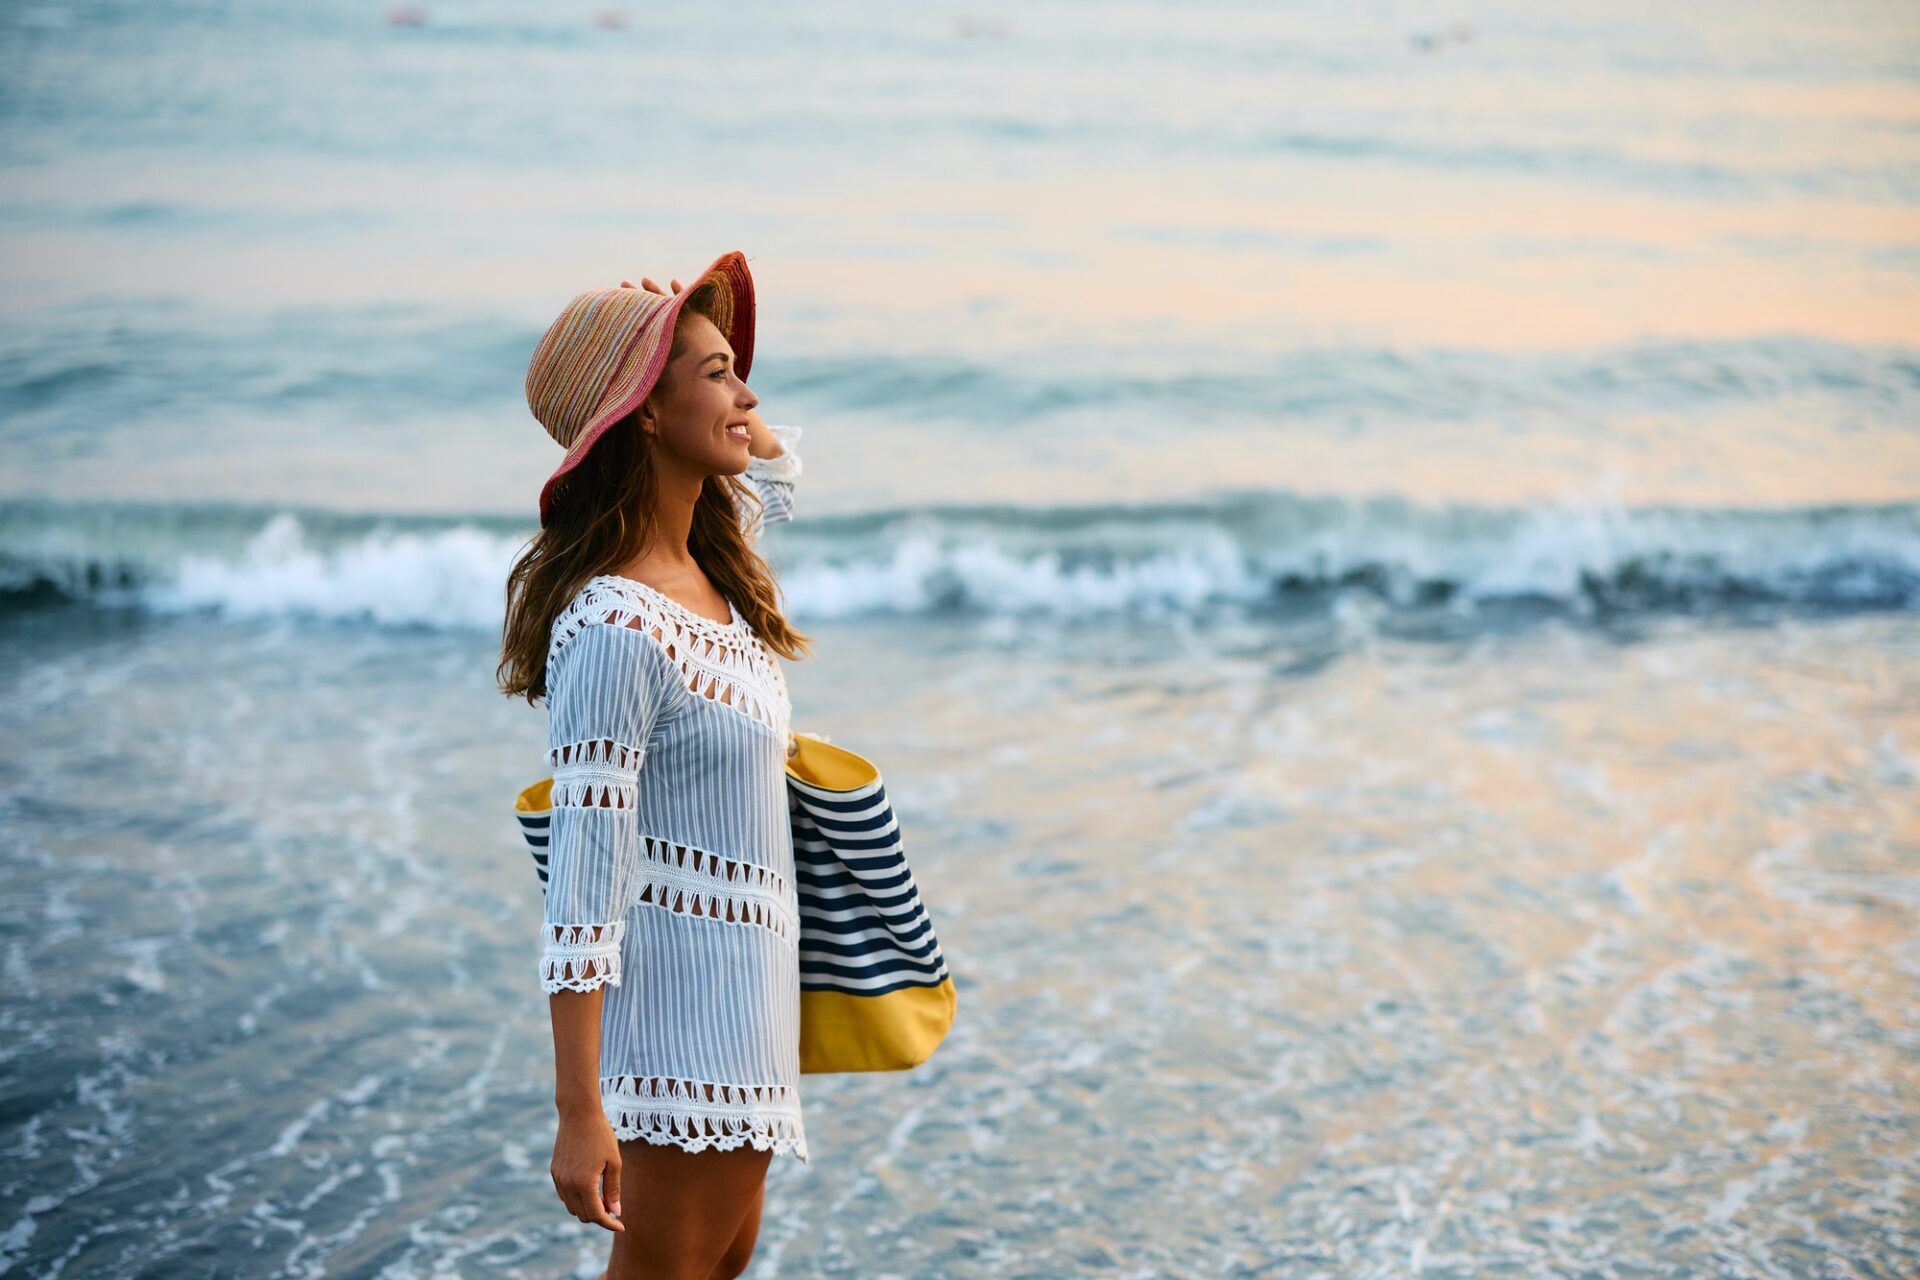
(698, 410)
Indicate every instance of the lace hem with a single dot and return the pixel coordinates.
(696, 1115)
(574, 957)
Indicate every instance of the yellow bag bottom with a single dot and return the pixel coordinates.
(891, 1032)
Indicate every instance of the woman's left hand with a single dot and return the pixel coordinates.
(647, 283)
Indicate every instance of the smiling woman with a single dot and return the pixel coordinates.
(646, 617)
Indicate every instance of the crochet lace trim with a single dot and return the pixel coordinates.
(695, 1115)
(581, 957)
(723, 662)
(691, 881)
(599, 772)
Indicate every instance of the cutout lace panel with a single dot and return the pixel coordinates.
(581, 957)
(723, 662)
(695, 1115)
(598, 772)
(692, 881)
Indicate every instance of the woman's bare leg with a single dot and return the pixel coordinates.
(683, 1211)
(734, 1261)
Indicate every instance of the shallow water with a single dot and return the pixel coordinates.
(1559, 951)
(1378, 552)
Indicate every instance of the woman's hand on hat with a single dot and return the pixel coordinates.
(647, 283)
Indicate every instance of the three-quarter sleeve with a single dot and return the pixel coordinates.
(606, 689)
(773, 479)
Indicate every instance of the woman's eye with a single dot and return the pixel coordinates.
(718, 373)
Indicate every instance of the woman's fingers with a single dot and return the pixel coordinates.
(586, 1167)
(597, 1205)
(583, 1202)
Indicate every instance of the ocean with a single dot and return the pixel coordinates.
(1377, 549)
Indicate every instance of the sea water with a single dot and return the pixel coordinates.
(1375, 547)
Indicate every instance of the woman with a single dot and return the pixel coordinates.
(646, 618)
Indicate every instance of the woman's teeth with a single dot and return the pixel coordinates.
(739, 433)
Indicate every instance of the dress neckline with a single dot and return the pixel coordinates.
(734, 623)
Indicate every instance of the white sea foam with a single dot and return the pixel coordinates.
(450, 573)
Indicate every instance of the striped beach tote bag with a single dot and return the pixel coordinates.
(875, 994)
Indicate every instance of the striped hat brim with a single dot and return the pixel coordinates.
(604, 354)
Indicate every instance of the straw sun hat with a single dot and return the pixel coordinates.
(605, 352)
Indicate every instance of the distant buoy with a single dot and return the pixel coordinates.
(970, 28)
(610, 19)
(1431, 41)
(407, 15)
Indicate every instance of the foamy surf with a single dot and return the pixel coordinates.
(1255, 551)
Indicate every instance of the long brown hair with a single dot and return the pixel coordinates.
(602, 516)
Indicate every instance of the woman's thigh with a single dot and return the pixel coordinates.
(681, 1210)
(734, 1261)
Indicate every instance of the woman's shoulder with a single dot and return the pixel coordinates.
(602, 617)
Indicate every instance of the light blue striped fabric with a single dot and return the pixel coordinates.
(773, 478)
(670, 864)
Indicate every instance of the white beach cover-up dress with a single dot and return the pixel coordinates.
(670, 856)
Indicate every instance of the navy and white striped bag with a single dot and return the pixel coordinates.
(875, 994)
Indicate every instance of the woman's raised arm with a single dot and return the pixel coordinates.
(773, 478)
